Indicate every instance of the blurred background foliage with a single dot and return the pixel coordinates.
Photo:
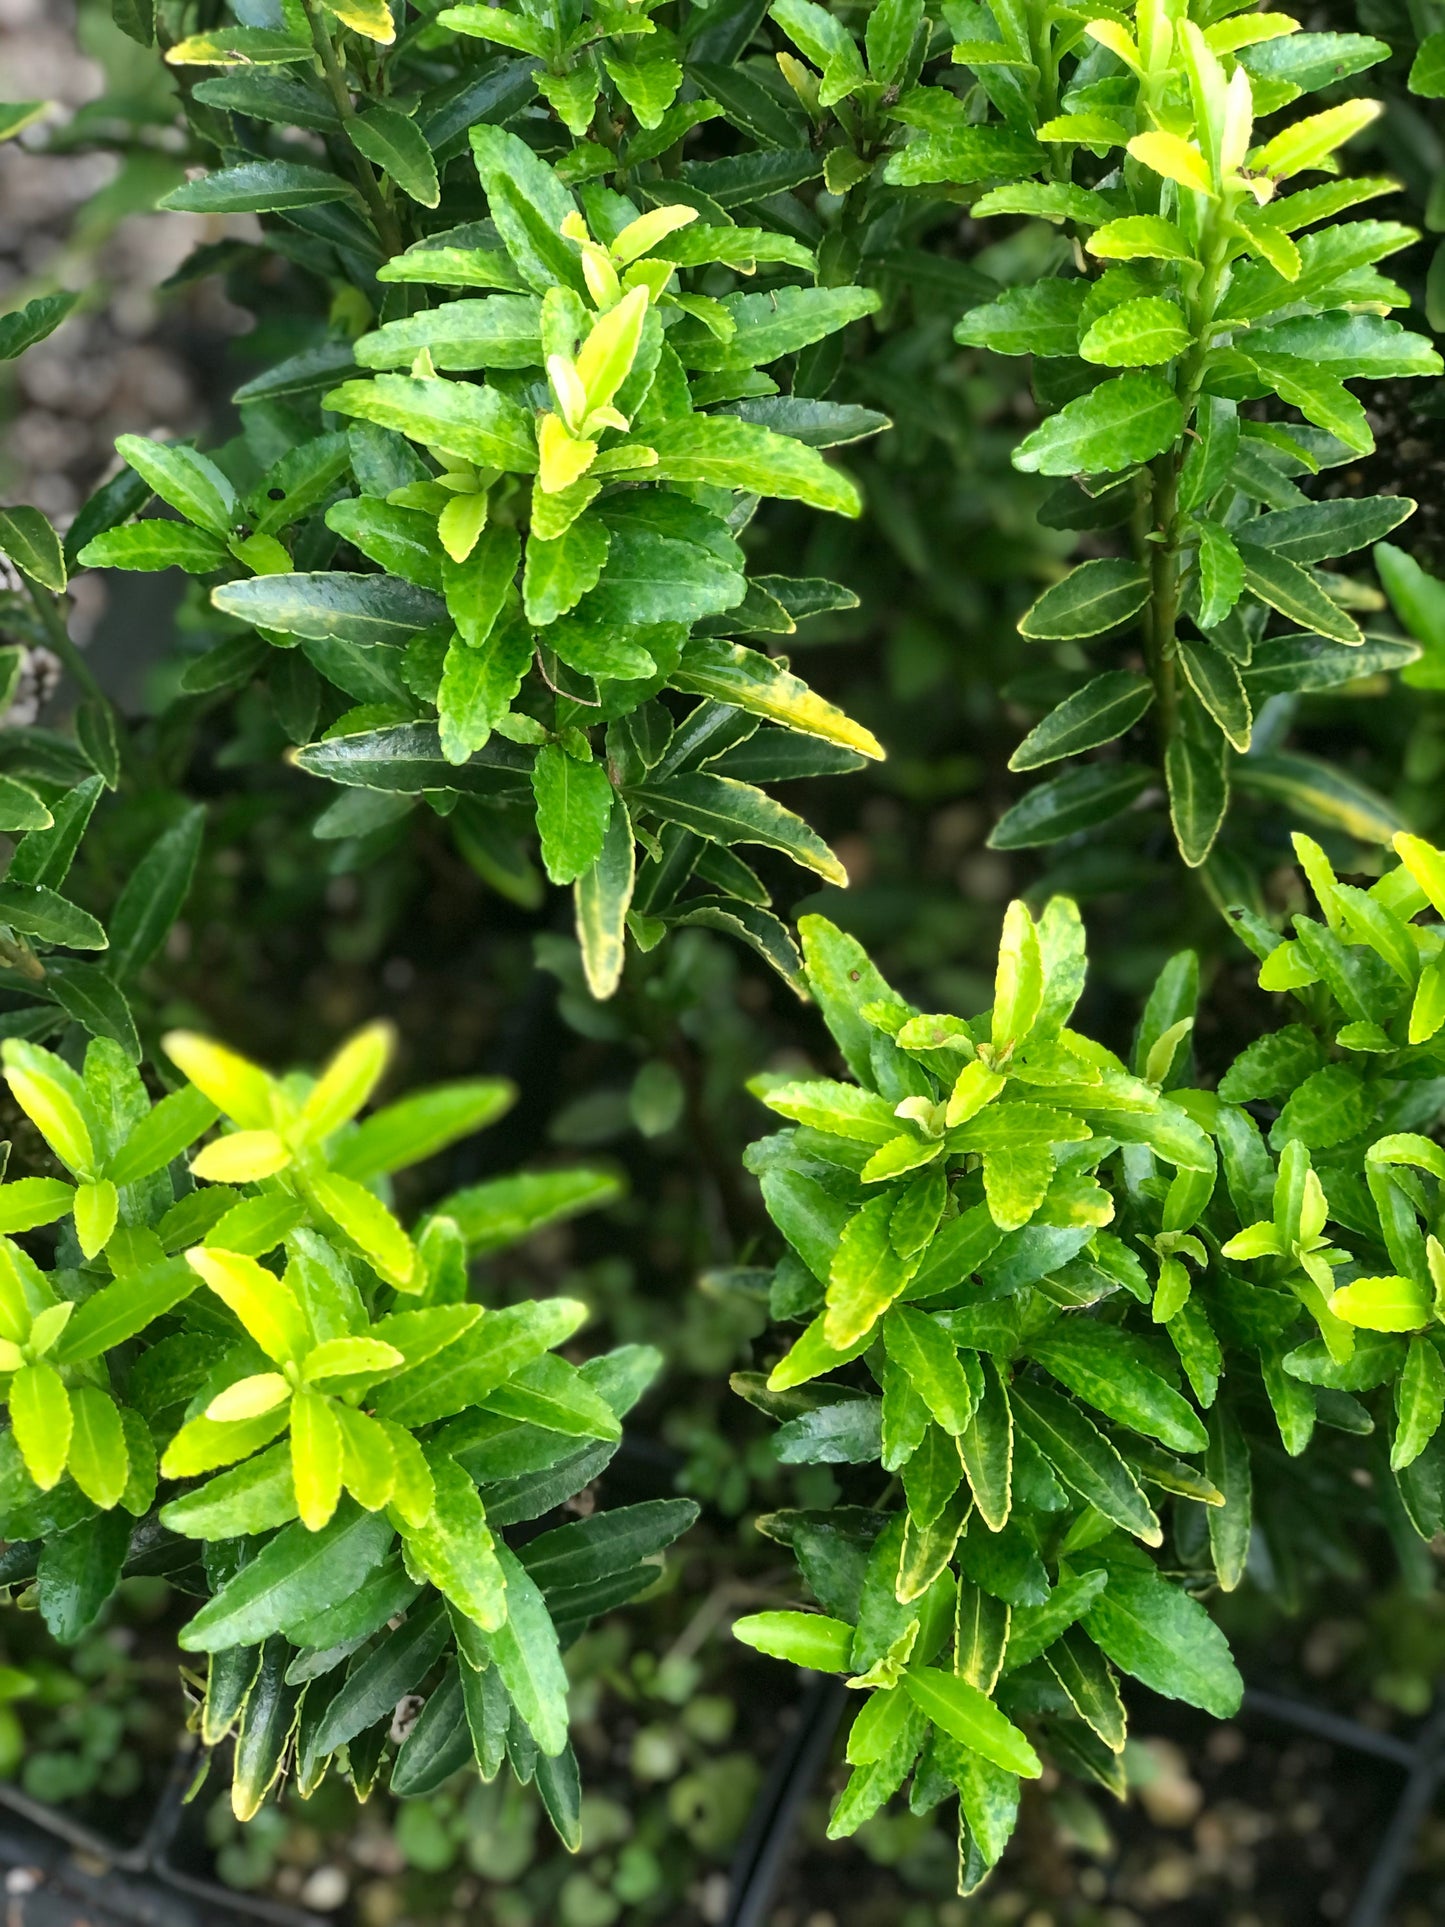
(290, 945)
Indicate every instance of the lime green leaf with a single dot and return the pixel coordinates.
(1384, 1304)
(804, 1639)
(41, 1418)
(366, 1221)
(967, 1716)
(266, 1305)
(99, 1460)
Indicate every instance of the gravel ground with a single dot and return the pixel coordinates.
(129, 358)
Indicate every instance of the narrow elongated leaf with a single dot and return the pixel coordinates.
(967, 1716)
(1083, 1458)
(1098, 713)
(294, 1575)
(725, 811)
(258, 187)
(1096, 596)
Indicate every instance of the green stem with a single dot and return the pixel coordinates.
(1161, 538)
(388, 228)
(1161, 641)
(57, 637)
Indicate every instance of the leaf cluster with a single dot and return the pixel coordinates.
(243, 1373)
(1096, 1325)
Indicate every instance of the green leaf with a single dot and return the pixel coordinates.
(1384, 1304)
(1198, 781)
(1419, 1403)
(483, 1358)
(1427, 71)
(1068, 804)
(1040, 318)
(78, 1571)
(865, 1276)
(28, 540)
(266, 1306)
(368, 1224)
(416, 1128)
(99, 1459)
(1093, 597)
(1140, 237)
(396, 1666)
(1122, 422)
(49, 917)
(251, 1498)
(399, 540)
(257, 187)
(21, 809)
(439, 1744)
(23, 327)
(842, 1110)
(477, 688)
(1109, 1369)
(722, 810)
(603, 897)
(457, 418)
(1157, 1634)
(528, 204)
(728, 673)
(1083, 1672)
(987, 1448)
(560, 572)
(1083, 1459)
(1221, 583)
(524, 1651)
(40, 1416)
(962, 154)
(552, 1393)
(456, 1551)
(363, 609)
(804, 1639)
(1283, 585)
(1227, 1466)
(154, 894)
(725, 452)
(28, 1202)
(397, 146)
(1036, 1623)
(1103, 710)
(1215, 679)
(1325, 529)
(574, 807)
(46, 856)
(248, 46)
(968, 1717)
(1136, 334)
(1319, 792)
(294, 1575)
(919, 1346)
(156, 545)
(505, 1210)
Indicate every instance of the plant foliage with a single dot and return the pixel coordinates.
(263, 1387)
(1082, 1311)
(576, 321)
